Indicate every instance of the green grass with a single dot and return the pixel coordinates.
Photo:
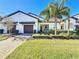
(47, 49)
(3, 37)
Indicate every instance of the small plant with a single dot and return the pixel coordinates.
(77, 31)
(46, 31)
(51, 31)
(1, 31)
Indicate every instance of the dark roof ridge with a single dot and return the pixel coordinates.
(21, 12)
(35, 15)
(74, 18)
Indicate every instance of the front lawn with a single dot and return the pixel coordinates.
(3, 37)
(47, 49)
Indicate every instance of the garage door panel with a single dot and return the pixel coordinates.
(28, 28)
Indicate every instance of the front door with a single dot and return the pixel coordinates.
(13, 29)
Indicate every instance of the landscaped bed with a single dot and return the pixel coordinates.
(58, 36)
(3, 37)
(47, 49)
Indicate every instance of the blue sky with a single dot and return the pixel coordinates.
(34, 6)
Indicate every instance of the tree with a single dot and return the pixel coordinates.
(56, 10)
(9, 24)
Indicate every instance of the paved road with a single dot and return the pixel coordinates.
(7, 46)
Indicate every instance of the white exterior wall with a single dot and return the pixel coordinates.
(66, 25)
(77, 16)
(72, 24)
(58, 26)
(20, 17)
(4, 28)
(52, 26)
(36, 26)
(20, 28)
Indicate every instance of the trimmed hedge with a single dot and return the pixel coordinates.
(58, 32)
(56, 37)
(42, 37)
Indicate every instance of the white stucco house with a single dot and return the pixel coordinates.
(27, 22)
(74, 23)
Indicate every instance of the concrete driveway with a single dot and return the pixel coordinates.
(23, 37)
(8, 46)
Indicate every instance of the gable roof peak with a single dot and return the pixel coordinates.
(20, 12)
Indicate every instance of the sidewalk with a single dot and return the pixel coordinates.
(7, 46)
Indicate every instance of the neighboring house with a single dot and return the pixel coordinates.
(74, 23)
(50, 25)
(28, 23)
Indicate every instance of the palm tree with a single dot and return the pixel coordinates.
(56, 10)
(68, 24)
(46, 14)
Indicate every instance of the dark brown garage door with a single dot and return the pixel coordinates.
(28, 28)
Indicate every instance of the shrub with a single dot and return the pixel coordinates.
(72, 32)
(16, 32)
(46, 31)
(51, 31)
(77, 31)
(56, 37)
(1, 31)
(34, 31)
(65, 32)
(42, 37)
(39, 32)
(62, 31)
